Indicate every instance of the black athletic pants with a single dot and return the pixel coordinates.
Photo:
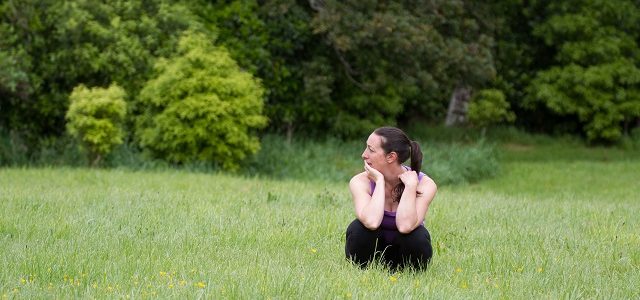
(364, 245)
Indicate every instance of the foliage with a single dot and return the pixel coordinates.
(335, 68)
(344, 68)
(201, 107)
(596, 77)
(274, 40)
(95, 117)
(400, 57)
(52, 46)
(489, 107)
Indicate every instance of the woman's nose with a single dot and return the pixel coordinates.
(363, 155)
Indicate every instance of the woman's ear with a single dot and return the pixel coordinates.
(392, 156)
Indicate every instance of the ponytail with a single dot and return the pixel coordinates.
(416, 157)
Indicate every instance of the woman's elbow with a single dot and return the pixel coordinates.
(370, 223)
(406, 228)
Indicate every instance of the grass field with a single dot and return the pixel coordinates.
(563, 228)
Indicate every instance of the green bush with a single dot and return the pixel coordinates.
(489, 107)
(200, 107)
(95, 117)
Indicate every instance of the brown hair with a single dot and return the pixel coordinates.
(395, 140)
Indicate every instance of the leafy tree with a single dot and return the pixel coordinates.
(201, 107)
(596, 76)
(95, 117)
(53, 46)
(345, 67)
(402, 57)
(518, 55)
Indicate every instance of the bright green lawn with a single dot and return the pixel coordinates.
(556, 229)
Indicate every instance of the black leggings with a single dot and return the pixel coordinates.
(364, 245)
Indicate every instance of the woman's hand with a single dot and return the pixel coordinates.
(373, 174)
(409, 178)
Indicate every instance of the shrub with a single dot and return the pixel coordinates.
(489, 107)
(200, 107)
(95, 117)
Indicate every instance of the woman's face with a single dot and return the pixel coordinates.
(373, 153)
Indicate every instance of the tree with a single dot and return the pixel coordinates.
(200, 107)
(595, 77)
(53, 46)
(402, 58)
(345, 67)
(95, 117)
(274, 40)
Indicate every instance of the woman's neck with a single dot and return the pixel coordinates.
(391, 174)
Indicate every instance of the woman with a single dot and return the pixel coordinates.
(390, 201)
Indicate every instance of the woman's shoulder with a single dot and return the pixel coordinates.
(359, 178)
(426, 182)
(360, 183)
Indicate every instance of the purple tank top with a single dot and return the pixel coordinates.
(388, 225)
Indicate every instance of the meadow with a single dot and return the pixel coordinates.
(555, 222)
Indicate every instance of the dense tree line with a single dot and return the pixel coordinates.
(201, 79)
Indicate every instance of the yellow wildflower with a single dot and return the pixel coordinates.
(458, 270)
(23, 281)
(200, 285)
(162, 274)
(393, 279)
(182, 282)
(540, 269)
(314, 250)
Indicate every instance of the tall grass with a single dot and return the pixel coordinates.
(328, 160)
(336, 160)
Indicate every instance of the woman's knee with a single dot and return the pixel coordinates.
(419, 233)
(360, 240)
(417, 243)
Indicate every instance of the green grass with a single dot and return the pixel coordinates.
(541, 229)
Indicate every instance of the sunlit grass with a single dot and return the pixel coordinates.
(540, 230)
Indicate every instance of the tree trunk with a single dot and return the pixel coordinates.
(95, 160)
(457, 112)
(289, 132)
